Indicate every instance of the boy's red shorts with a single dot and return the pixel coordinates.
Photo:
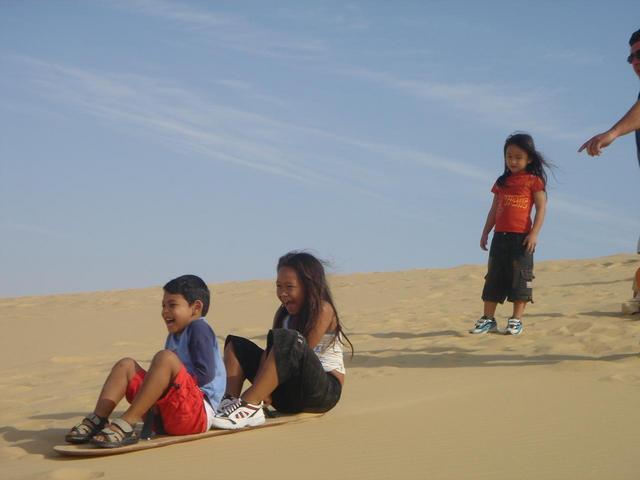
(182, 407)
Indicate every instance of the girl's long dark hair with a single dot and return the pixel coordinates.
(538, 162)
(311, 274)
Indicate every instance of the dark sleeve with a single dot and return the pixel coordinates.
(201, 342)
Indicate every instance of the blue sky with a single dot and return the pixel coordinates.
(144, 139)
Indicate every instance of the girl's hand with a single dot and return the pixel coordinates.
(530, 242)
(483, 241)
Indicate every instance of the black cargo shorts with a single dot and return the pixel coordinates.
(510, 270)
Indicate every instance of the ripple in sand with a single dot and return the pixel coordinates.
(72, 474)
(12, 453)
(578, 327)
(69, 359)
(628, 378)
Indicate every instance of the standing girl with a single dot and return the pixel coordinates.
(302, 368)
(510, 271)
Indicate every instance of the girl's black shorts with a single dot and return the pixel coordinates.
(303, 385)
(510, 271)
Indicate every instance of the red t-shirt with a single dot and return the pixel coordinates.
(515, 201)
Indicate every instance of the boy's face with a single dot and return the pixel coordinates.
(290, 290)
(177, 313)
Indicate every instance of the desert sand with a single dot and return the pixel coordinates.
(423, 398)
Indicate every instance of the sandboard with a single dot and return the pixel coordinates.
(88, 450)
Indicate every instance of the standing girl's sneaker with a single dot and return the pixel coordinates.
(514, 327)
(484, 324)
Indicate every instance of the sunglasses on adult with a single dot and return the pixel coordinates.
(635, 55)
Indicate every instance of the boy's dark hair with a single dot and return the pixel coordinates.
(192, 288)
(635, 37)
(311, 274)
(538, 162)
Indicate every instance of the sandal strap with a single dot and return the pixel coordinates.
(123, 425)
(89, 424)
(124, 430)
(95, 419)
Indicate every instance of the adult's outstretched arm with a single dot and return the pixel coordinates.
(627, 124)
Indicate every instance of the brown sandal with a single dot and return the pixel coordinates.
(85, 430)
(123, 434)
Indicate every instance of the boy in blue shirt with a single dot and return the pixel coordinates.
(185, 381)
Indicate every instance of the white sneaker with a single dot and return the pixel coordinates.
(226, 401)
(239, 414)
(514, 327)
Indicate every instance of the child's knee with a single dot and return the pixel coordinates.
(128, 364)
(166, 357)
(229, 349)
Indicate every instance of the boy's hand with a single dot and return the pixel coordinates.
(483, 240)
(530, 242)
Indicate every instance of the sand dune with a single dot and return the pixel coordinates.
(423, 398)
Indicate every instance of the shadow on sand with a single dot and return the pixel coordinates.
(451, 357)
(41, 442)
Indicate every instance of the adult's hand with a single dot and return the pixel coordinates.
(595, 144)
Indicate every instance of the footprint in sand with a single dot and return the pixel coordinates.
(126, 344)
(628, 378)
(69, 359)
(73, 474)
(578, 327)
(12, 453)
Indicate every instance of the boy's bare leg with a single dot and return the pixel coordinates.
(518, 309)
(164, 368)
(265, 382)
(235, 374)
(115, 386)
(490, 309)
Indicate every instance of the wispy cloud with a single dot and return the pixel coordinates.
(497, 104)
(595, 213)
(344, 17)
(579, 57)
(229, 31)
(178, 116)
(34, 229)
(249, 90)
(245, 139)
(227, 134)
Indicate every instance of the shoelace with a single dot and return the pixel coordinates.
(237, 403)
